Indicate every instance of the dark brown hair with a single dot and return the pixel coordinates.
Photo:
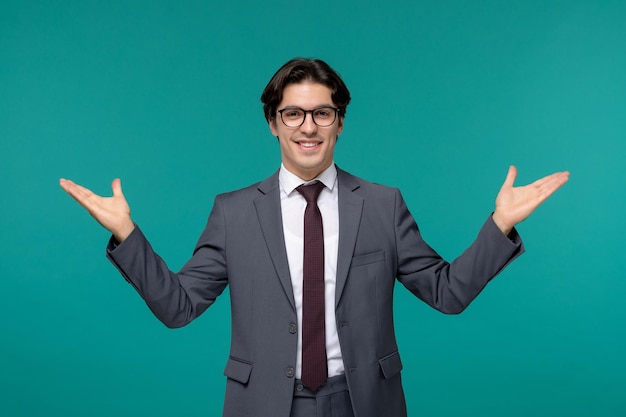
(300, 70)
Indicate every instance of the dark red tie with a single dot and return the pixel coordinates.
(314, 372)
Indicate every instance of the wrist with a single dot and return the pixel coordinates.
(502, 225)
(124, 231)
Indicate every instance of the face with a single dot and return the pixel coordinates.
(307, 150)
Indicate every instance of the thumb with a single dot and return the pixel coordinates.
(510, 176)
(116, 186)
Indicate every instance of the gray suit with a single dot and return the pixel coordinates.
(243, 246)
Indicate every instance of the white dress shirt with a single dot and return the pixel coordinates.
(293, 205)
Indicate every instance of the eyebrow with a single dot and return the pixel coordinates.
(321, 106)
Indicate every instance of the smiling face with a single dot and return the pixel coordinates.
(307, 150)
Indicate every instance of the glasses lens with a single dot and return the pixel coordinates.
(324, 116)
(292, 117)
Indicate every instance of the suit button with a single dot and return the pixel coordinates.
(293, 328)
(299, 387)
(290, 372)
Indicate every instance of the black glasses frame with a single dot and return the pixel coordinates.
(336, 109)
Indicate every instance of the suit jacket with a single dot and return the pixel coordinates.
(243, 246)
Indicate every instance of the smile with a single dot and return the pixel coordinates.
(308, 145)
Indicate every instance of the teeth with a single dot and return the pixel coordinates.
(308, 144)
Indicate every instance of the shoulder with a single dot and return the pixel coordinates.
(364, 187)
(250, 192)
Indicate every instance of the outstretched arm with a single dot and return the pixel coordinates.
(113, 213)
(515, 204)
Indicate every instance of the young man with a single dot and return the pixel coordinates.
(311, 277)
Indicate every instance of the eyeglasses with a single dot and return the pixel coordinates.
(294, 117)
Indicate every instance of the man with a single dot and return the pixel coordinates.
(311, 277)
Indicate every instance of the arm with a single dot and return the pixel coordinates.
(176, 299)
(450, 287)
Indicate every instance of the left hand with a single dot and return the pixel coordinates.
(515, 204)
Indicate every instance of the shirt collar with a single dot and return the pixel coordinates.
(289, 181)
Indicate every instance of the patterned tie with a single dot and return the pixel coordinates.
(314, 369)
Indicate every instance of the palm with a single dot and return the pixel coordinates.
(113, 213)
(515, 204)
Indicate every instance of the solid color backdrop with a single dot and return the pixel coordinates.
(447, 94)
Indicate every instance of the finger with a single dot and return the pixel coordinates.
(65, 184)
(116, 186)
(82, 195)
(546, 186)
(554, 180)
(74, 189)
(510, 176)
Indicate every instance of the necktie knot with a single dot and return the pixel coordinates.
(311, 192)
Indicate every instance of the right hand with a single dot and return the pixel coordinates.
(113, 213)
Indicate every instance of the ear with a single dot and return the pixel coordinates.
(340, 126)
(272, 125)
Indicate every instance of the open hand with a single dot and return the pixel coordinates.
(111, 212)
(514, 204)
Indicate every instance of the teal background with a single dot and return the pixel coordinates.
(447, 94)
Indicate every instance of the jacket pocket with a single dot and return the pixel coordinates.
(390, 365)
(238, 370)
(369, 258)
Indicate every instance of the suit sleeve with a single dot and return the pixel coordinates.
(175, 298)
(450, 287)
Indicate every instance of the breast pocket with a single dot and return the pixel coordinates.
(368, 258)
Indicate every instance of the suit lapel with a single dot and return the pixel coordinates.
(270, 219)
(350, 208)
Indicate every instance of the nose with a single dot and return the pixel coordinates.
(308, 126)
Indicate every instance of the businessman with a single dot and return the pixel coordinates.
(311, 255)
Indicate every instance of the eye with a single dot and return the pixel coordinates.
(323, 113)
(292, 113)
